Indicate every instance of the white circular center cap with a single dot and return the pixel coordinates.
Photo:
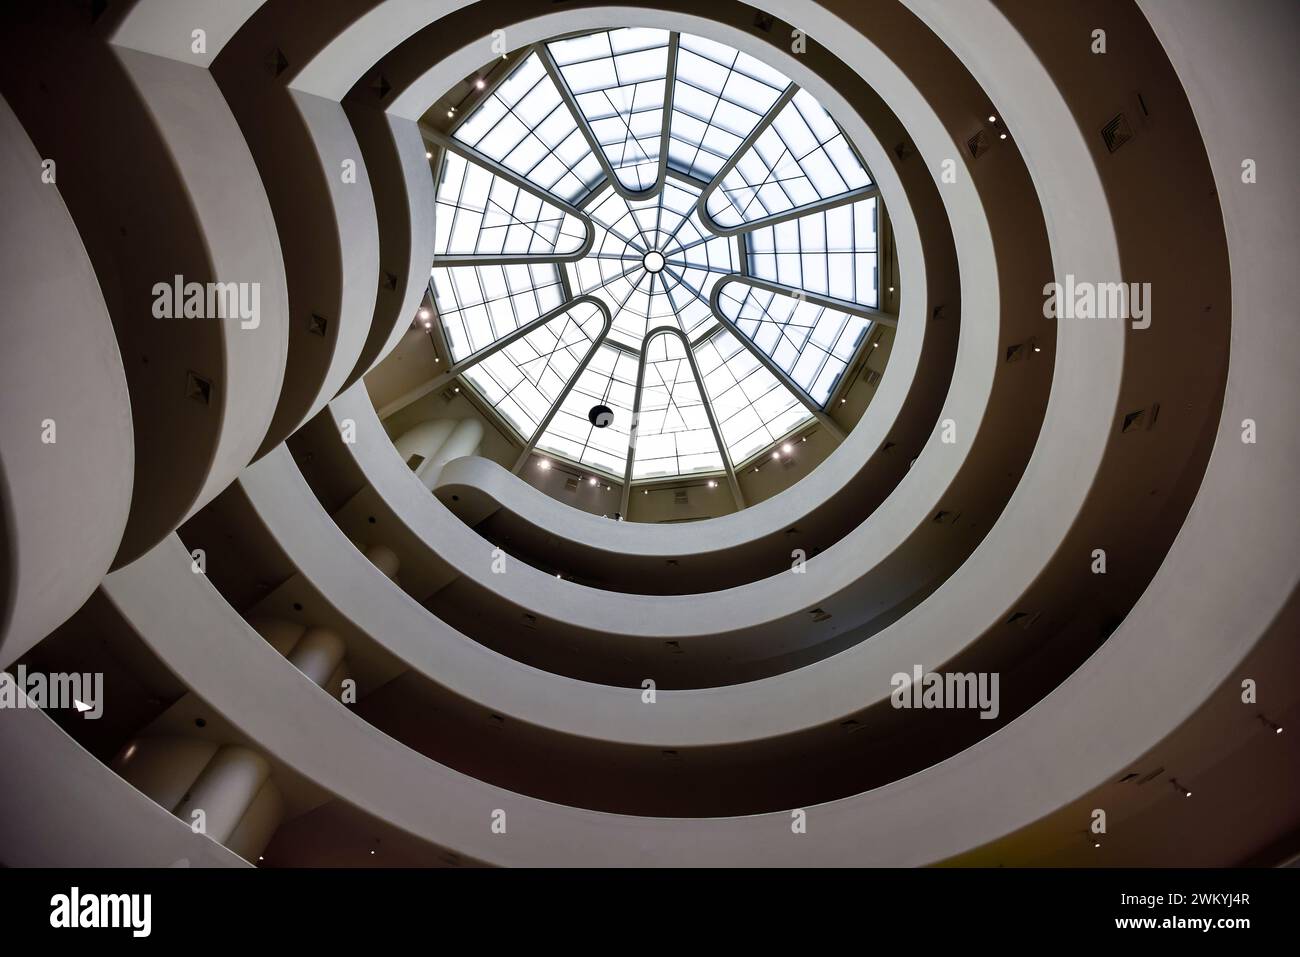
(653, 261)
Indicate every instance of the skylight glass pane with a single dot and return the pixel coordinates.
(524, 379)
(618, 79)
(673, 435)
(477, 305)
(479, 213)
(526, 127)
(610, 380)
(810, 343)
(832, 252)
(640, 300)
(719, 96)
(753, 407)
(798, 190)
(802, 159)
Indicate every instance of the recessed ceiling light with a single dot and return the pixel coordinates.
(993, 119)
(428, 155)
(591, 481)
(712, 484)
(1003, 136)
(423, 314)
(480, 83)
(543, 464)
(451, 113)
(787, 449)
(776, 455)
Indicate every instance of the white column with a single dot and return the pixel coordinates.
(225, 790)
(280, 634)
(317, 654)
(385, 559)
(259, 823)
(464, 440)
(424, 440)
(164, 766)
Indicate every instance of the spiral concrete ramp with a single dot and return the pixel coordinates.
(346, 614)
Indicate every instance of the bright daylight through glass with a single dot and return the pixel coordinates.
(660, 225)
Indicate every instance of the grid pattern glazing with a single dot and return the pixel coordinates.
(479, 213)
(673, 435)
(526, 127)
(619, 80)
(810, 342)
(610, 380)
(480, 304)
(802, 159)
(525, 378)
(719, 96)
(831, 252)
(753, 407)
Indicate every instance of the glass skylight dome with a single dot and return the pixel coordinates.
(657, 226)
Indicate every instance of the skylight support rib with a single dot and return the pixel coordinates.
(692, 181)
(768, 119)
(479, 304)
(844, 199)
(818, 413)
(665, 135)
(592, 82)
(568, 387)
(730, 466)
(527, 126)
(553, 71)
(802, 162)
(852, 308)
(625, 499)
(706, 334)
(456, 369)
(445, 142)
(634, 433)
